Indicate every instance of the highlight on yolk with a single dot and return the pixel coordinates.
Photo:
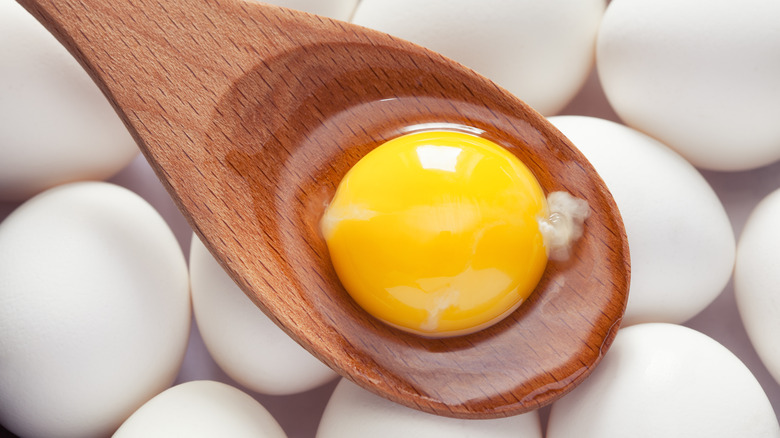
(438, 233)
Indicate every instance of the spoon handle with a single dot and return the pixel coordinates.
(165, 65)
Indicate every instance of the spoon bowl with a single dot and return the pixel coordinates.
(251, 114)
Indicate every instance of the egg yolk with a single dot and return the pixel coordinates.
(437, 233)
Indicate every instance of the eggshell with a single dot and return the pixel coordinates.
(757, 280)
(703, 76)
(55, 124)
(201, 409)
(353, 412)
(665, 380)
(541, 51)
(680, 239)
(338, 9)
(94, 310)
(242, 340)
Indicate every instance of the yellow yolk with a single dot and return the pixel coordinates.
(437, 233)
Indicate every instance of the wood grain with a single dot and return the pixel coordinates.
(251, 114)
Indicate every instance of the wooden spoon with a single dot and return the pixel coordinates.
(250, 114)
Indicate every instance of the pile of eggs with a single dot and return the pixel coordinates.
(115, 320)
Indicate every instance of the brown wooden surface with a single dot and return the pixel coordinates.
(251, 114)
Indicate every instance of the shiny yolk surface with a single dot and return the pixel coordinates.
(437, 233)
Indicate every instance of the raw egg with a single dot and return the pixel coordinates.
(542, 51)
(665, 380)
(353, 412)
(438, 232)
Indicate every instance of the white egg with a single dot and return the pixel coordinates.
(353, 412)
(201, 409)
(55, 124)
(665, 380)
(757, 280)
(681, 241)
(541, 51)
(94, 310)
(703, 76)
(245, 344)
(338, 9)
